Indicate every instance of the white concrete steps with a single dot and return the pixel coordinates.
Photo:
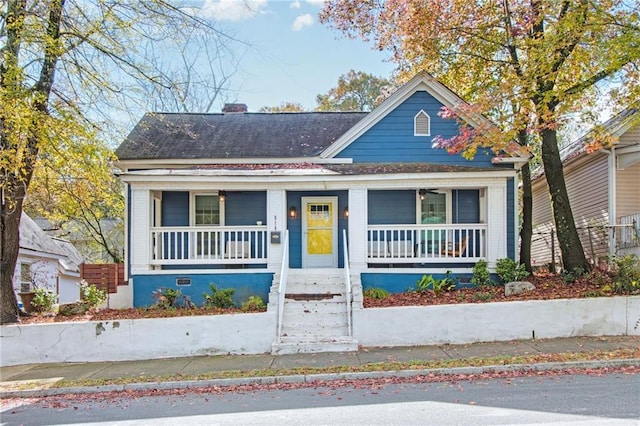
(298, 345)
(314, 313)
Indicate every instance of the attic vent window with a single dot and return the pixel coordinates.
(422, 124)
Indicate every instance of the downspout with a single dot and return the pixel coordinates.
(611, 199)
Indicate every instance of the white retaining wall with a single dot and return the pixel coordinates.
(499, 321)
(254, 333)
(149, 338)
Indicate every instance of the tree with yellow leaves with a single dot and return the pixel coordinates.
(540, 58)
(62, 64)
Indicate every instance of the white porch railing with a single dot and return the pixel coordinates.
(347, 279)
(426, 243)
(629, 235)
(208, 245)
(282, 287)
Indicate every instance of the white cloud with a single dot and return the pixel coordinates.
(295, 5)
(301, 22)
(232, 10)
(316, 2)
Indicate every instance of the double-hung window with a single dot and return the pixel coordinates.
(208, 211)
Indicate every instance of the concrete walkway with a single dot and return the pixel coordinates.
(38, 379)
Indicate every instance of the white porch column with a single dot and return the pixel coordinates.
(276, 222)
(140, 236)
(496, 224)
(358, 229)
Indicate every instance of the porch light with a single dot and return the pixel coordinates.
(422, 192)
(345, 213)
(222, 195)
(293, 213)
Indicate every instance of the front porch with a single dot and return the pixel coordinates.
(406, 244)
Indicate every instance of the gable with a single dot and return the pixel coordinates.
(393, 137)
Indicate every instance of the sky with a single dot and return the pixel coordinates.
(292, 57)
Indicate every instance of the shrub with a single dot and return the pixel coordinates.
(166, 297)
(481, 274)
(571, 276)
(92, 295)
(626, 279)
(427, 282)
(218, 298)
(376, 293)
(43, 300)
(509, 270)
(254, 304)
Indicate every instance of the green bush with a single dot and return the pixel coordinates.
(509, 270)
(92, 295)
(626, 279)
(254, 304)
(426, 283)
(218, 298)
(43, 300)
(572, 275)
(376, 293)
(481, 274)
(166, 297)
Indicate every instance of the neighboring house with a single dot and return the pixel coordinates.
(604, 195)
(267, 203)
(92, 252)
(46, 262)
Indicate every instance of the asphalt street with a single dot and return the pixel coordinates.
(609, 399)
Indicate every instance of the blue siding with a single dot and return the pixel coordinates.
(392, 139)
(245, 285)
(241, 208)
(399, 283)
(294, 199)
(391, 207)
(511, 219)
(245, 208)
(466, 206)
(175, 208)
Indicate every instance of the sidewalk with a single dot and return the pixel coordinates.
(38, 379)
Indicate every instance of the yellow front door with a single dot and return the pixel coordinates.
(320, 231)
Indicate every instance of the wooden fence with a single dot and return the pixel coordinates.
(106, 276)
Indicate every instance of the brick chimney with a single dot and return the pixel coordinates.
(232, 108)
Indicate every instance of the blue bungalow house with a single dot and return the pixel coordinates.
(308, 209)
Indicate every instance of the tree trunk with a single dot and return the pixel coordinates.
(526, 230)
(573, 257)
(9, 246)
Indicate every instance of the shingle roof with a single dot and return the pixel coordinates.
(238, 135)
(34, 238)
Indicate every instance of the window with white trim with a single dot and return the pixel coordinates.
(207, 210)
(422, 124)
(25, 278)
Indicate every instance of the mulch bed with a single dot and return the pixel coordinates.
(548, 286)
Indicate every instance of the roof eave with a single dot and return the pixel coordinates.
(175, 162)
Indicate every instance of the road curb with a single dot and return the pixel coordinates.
(323, 377)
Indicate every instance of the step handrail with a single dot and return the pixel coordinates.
(347, 279)
(282, 287)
